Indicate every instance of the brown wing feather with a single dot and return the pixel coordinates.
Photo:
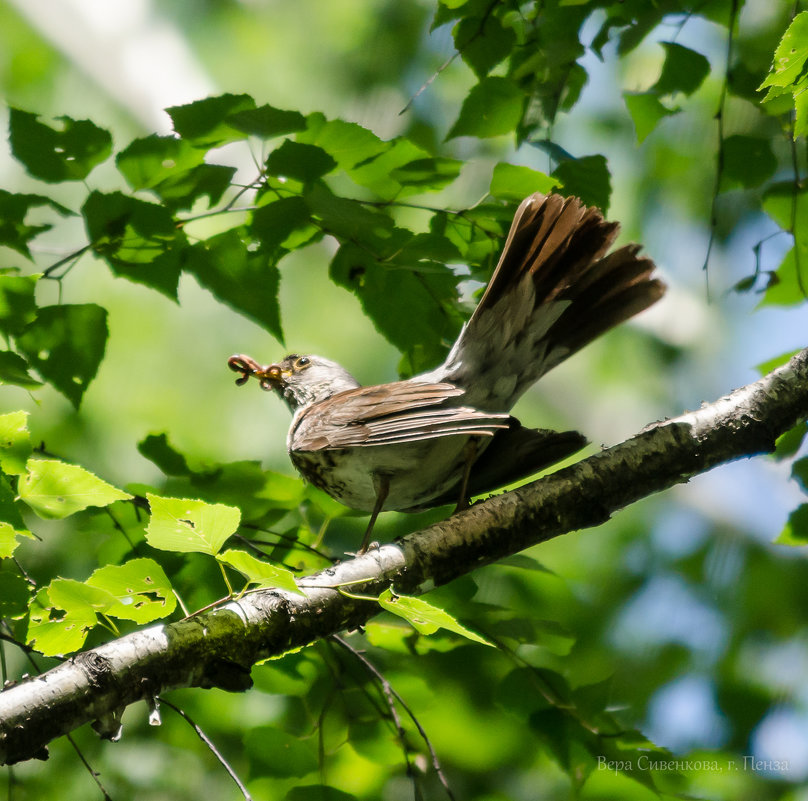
(377, 415)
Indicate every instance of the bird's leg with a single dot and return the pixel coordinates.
(470, 452)
(381, 483)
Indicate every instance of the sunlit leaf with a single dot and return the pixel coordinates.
(65, 345)
(54, 489)
(258, 572)
(513, 182)
(67, 153)
(791, 54)
(140, 588)
(492, 108)
(190, 525)
(62, 615)
(423, 616)
(15, 442)
(246, 281)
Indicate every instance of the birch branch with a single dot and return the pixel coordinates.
(219, 647)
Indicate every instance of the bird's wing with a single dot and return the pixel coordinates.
(380, 416)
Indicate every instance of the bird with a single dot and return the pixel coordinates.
(447, 435)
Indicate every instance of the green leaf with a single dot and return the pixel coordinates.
(512, 182)
(266, 122)
(148, 161)
(15, 442)
(205, 123)
(302, 162)
(53, 155)
(318, 792)
(11, 522)
(207, 180)
(14, 370)
(749, 160)
(17, 302)
(65, 345)
(788, 74)
(588, 178)
(799, 472)
(140, 588)
(55, 490)
(789, 443)
(274, 223)
(15, 591)
(785, 207)
(413, 311)
(174, 170)
(157, 449)
(795, 531)
(791, 55)
(273, 752)
(189, 525)
(14, 232)
(246, 281)
(347, 143)
(62, 615)
(259, 572)
(349, 219)
(427, 173)
(646, 111)
(493, 107)
(139, 240)
(424, 617)
(483, 42)
(684, 70)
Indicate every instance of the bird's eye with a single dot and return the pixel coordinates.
(303, 361)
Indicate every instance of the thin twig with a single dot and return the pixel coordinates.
(719, 167)
(205, 739)
(387, 688)
(94, 774)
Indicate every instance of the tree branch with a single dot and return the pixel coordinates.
(218, 648)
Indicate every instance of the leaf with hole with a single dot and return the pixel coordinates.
(140, 589)
(65, 153)
(65, 345)
(188, 525)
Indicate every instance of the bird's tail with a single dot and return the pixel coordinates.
(554, 290)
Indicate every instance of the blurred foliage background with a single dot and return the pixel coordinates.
(679, 617)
